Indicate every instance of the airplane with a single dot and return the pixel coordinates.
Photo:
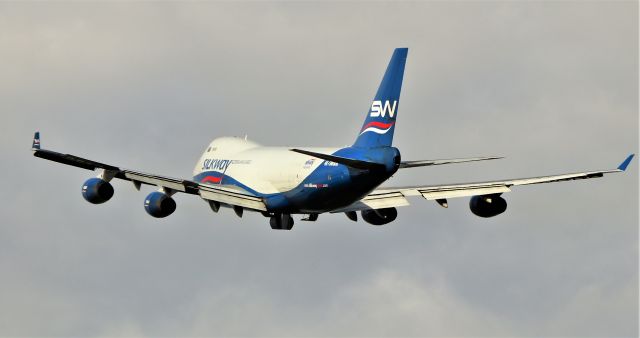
(280, 182)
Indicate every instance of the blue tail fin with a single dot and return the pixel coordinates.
(36, 141)
(378, 127)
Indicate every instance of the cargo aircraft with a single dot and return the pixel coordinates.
(279, 182)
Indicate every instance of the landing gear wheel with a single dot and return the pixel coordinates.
(275, 225)
(287, 222)
(281, 222)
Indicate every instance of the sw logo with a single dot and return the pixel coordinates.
(377, 109)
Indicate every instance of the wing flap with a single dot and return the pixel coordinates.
(160, 181)
(434, 194)
(377, 201)
(231, 197)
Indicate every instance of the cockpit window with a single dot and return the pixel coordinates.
(208, 150)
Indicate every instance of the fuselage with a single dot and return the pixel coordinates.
(290, 182)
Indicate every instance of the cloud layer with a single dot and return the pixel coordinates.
(552, 86)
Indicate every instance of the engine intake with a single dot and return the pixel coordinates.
(159, 205)
(487, 205)
(96, 190)
(379, 216)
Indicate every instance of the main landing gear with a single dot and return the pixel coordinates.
(281, 222)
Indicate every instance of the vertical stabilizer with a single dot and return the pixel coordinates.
(380, 123)
(36, 141)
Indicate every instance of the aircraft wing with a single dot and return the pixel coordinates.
(208, 192)
(396, 197)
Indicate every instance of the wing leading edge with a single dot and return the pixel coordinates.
(396, 196)
(218, 194)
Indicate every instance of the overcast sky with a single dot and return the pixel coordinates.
(553, 86)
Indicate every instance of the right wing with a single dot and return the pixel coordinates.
(396, 197)
(219, 194)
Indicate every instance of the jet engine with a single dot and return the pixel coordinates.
(379, 216)
(159, 204)
(96, 190)
(487, 205)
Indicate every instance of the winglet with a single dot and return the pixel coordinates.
(36, 141)
(623, 166)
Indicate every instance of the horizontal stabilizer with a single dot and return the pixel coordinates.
(357, 164)
(425, 163)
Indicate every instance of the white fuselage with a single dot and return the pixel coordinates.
(258, 169)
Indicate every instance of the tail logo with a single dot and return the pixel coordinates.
(377, 127)
(378, 109)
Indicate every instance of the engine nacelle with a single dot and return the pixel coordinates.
(379, 216)
(487, 205)
(159, 205)
(96, 190)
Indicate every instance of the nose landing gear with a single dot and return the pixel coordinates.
(281, 222)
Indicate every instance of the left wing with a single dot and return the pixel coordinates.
(396, 197)
(219, 194)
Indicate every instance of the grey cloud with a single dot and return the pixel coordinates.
(552, 85)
